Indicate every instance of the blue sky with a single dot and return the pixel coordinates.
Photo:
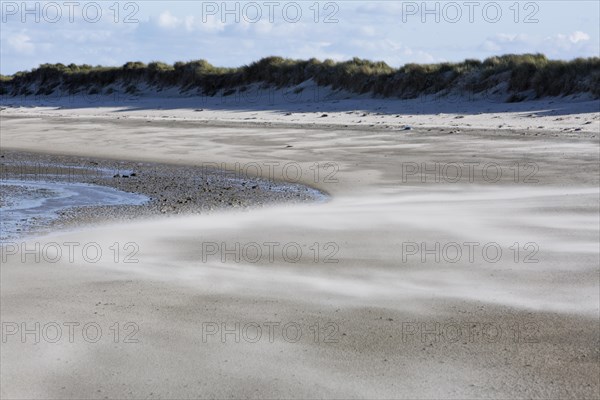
(236, 33)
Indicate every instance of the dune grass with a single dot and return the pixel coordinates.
(520, 76)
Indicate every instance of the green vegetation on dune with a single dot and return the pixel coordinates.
(527, 75)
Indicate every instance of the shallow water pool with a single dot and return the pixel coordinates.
(27, 203)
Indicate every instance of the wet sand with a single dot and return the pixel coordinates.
(395, 317)
(35, 205)
(153, 189)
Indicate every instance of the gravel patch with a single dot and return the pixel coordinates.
(172, 189)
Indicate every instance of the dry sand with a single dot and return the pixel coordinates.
(390, 324)
(316, 106)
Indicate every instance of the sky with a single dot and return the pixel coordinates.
(235, 33)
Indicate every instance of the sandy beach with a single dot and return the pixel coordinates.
(449, 262)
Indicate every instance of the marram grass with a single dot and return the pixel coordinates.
(532, 74)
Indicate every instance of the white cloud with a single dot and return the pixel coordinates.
(263, 27)
(392, 52)
(490, 46)
(191, 23)
(168, 20)
(21, 43)
(368, 31)
(89, 36)
(579, 36)
(557, 45)
(567, 43)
